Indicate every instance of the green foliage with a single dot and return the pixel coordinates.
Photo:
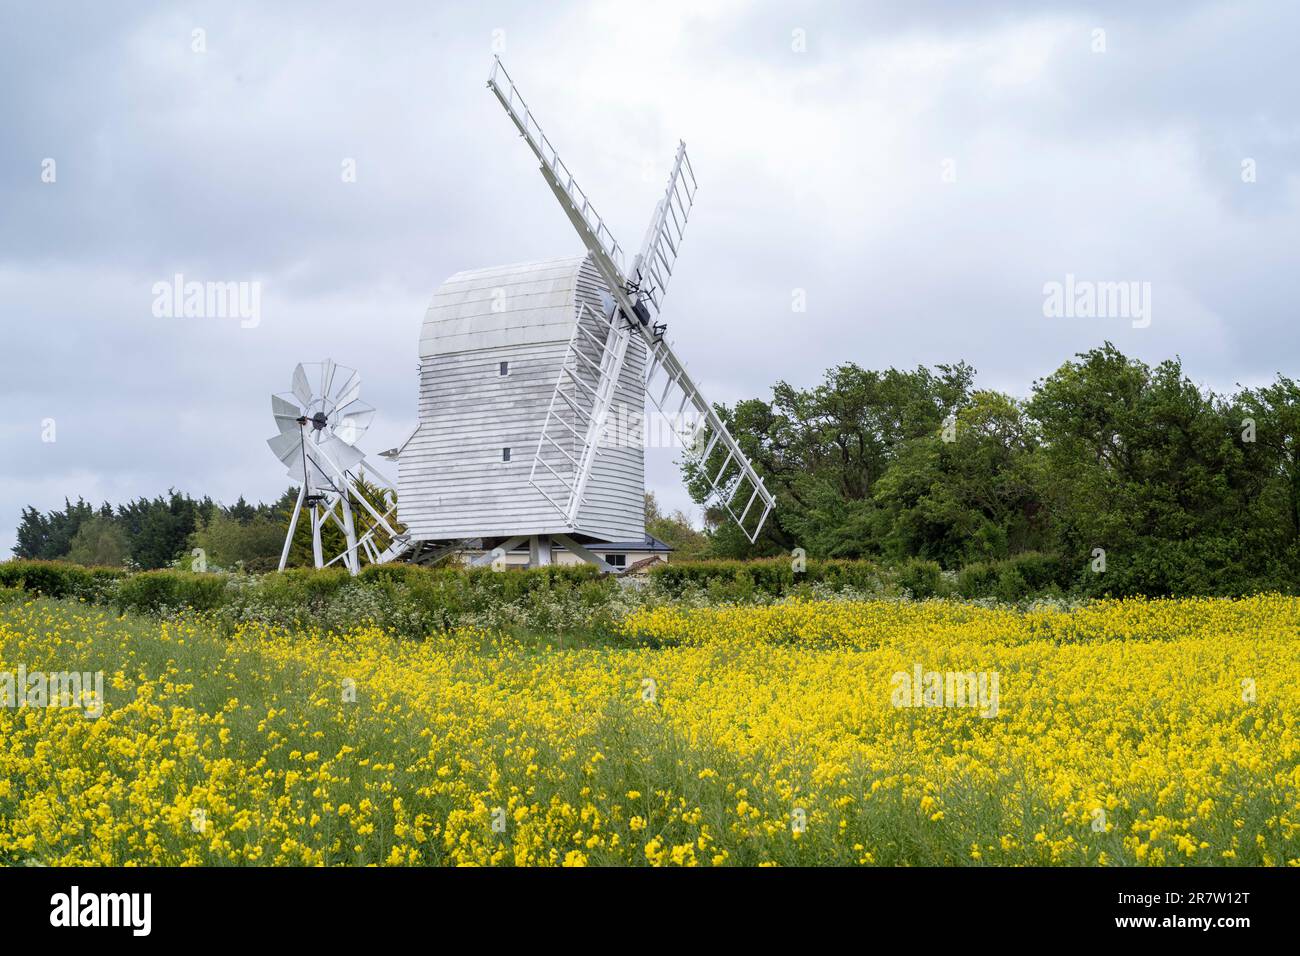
(99, 541)
(734, 580)
(155, 591)
(921, 579)
(1268, 421)
(59, 579)
(47, 537)
(404, 599)
(1013, 579)
(822, 450)
(159, 529)
(1144, 465)
(674, 530)
(304, 586)
(251, 543)
(395, 573)
(416, 601)
(1186, 491)
(966, 493)
(145, 533)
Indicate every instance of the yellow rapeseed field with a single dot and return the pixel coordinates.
(1124, 732)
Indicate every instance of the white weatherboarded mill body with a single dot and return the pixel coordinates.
(493, 351)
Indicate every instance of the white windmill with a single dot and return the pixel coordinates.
(522, 368)
(320, 421)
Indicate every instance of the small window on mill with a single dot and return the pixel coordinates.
(505, 454)
(504, 369)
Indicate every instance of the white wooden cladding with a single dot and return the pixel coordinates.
(452, 482)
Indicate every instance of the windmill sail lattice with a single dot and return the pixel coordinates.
(598, 346)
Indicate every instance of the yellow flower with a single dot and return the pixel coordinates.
(476, 748)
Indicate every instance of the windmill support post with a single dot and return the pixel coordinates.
(350, 534)
(539, 551)
(293, 526)
(315, 536)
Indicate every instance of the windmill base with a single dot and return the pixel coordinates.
(539, 552)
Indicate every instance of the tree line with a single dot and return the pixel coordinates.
(160, 532)
(167, 530)
(1131, 476)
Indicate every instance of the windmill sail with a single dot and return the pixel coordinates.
(600, 342)
(654, 264)
(711, 451)
(591, 228)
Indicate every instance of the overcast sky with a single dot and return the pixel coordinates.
(920, 170)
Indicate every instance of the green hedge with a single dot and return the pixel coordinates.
(410, 600)
(305, 586)
(776, 577)
(1015, 578)
(510, 581)
(152, 591)
(417, 601)
(1012, 579)
(921, 579)
(58, 579)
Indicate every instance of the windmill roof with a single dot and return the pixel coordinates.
(523, 304)
(648, 543)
